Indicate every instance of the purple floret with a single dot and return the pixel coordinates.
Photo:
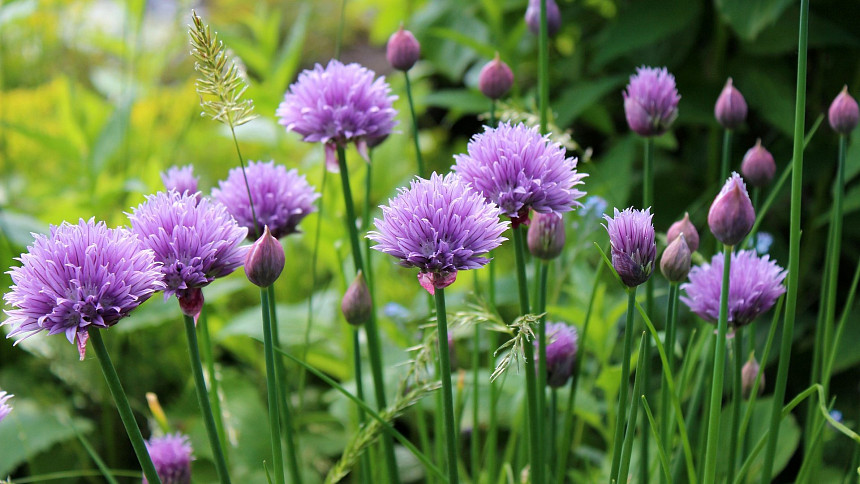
(519, 170)
(171, 456)
(196, 241)
(440, 226)
(755, 283)
(631, 235)
(281, 198)
(651, 101)
(80, 277)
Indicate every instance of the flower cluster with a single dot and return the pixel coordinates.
(519, 170)
(80, 277)
(440, 226)
(651, 101)
(181, 179)
(171, 456)
(631, 235)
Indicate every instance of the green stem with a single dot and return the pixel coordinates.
(846, 310)
(553, 439)
(257, 231)
(727, 154)
(710, 475)
(672, 315)
(447, 394)
(338, 41)
(203, 401)
(359, 390)
(214, 400)
(737, 398)
(624, 468)
(493, 120)
(543, 66)
(374, 348)
(492, 429)
(272, 391)
(647, 201)
(541, 357)
(794, 245)
(535, 427)
(418, 156)
(475, 440)
(834, 251)
(621, 413)
(122, 406)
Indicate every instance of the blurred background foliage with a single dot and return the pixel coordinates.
(97, 97)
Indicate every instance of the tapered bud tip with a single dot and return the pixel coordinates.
(675, 262)
(403, 50)
(731, 216)
(758, 166)
(265, 260)
(496, 78)
(684, 226)
(553, 17)
(546, 235)
(356, 304)
(731, 108)
(843, 113)
(748, 375)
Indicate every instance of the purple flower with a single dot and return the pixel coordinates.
(81, 277)
(495, 79)
(171, 456)
(684, 226)
(181, 179)
(402, 50)
(553, 17)
(758, 166)
(196, 242)
(281, 198)
(519, 170)
(731, 107)
(631, 235)
(731, 215)
(441, 226)
(336, 105)
(755, 283)
(5, 408)
(545, 238)
(651, 101)
(265, 260)
(561, 348)
(843, 113)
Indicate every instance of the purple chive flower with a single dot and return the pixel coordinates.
(337, 105)
(553, 17)
(356, 304)
(265, 260)
(546, 237)
(171, 456)
(731, 216)
(755, 283)
(402, 50)
(80, 277)
(631, 235)
(758, 166)
(519, 170)
(495, 79)
(651, 101)
(561, 348)
(441, 226)
(675, 262)
(196, 242)
(180, 178)
(731, 107)
(5, 408)
(688, 229)
(843, 113)
(281, 198)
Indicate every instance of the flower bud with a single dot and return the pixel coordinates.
(748, 375)
(675, 262)
(731, 216)
(495, 79)
(843, 113)
(691, 235)
(403, 50)
(265, 260)
(553, 17)
(190, 302)
(546, 235)
(356, 304)
(758, 166)
(561, 348)
(731, 108)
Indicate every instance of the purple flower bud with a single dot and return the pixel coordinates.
(675, 262)
(553, 17)
(843, 113)
(403, 50)
(731, 216)
(561, 348)
(691, 235)
(546, 235)
(731, 108)
(356, 304)
(651, 101)
(190, 302)
(748, 375)
(171, 456)
(758, 166)
(631, 235)
(495, 79)
(265, 260)
(5, 408)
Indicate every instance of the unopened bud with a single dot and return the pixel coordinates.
(546, 235)
(731, 108)
(356, 304)
(748, 375)
(676, 259)
(731, 216)
(495, 79)
(758, 166)
(190, 302)
(843, 113)
(691, 235)
(403, 50)
(265, 260)
(553, 17)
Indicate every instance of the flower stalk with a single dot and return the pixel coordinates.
(419, 159)
(272, 390)
(447, 394)
(621, 412)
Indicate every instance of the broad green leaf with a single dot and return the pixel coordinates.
(749, 17)
(580, 96)
(462, 100)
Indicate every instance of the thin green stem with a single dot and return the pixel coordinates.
(492, 429)
(447, 394)
(374, 347)
(553, 431)
(737, 398)
(214, 400)
(272, 391)
(665, 408)
(647, 201)
(257, 231)
(493, 120)
(543, 275)
(621, 413)
(624, 468)
(476, 401)
(415, 133)
(338, 41)
(710, 475)
(664, 460)
(359, 390)
(834, 250)
(846, 310)
(726, 158)
(543, 66)
(794, 244)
